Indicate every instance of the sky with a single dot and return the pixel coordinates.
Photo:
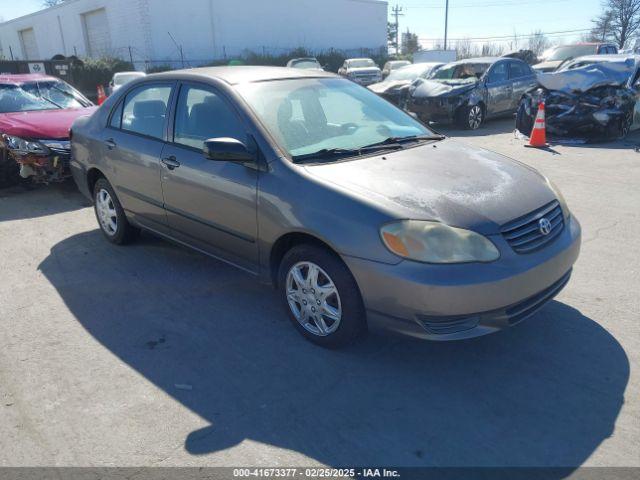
(475, 19)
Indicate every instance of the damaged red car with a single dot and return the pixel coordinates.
(36, 113)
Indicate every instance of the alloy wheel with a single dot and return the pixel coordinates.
(313, 298)
(475, 117)
(106, 211)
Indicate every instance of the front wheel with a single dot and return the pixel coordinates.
(110, 214)
(321, 296)
(471, 117)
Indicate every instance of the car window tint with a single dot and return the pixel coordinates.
(201, 115)
(116, 117)
(499, 73)
(518, 70)
(145, 110)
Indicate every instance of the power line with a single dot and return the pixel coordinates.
(484, 5)
(582, 30)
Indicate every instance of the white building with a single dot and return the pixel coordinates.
(163, 31)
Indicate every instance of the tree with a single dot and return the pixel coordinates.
(52, 3)
(619, 22)
(538, 43)
(410, 43)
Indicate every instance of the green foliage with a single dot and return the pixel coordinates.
(159, 68)
(90, 73)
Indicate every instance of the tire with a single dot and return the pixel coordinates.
(110, 215)
(524, 121)
(470, 117)
(321, 327)
(9, 170)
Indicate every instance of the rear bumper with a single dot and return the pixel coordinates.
(453, 302)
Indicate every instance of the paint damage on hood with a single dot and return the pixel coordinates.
(448, 182)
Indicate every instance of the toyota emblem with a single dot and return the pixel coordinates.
(545, 226)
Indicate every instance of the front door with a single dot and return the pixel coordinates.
(210, 204)
(499, 89)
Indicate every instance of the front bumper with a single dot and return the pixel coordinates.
(454, 302)
(434, 109)
(54, 167)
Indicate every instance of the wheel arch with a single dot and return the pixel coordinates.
(93, 175)
(285, 243)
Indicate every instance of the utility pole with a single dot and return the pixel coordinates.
(446, 23)
(397, 12)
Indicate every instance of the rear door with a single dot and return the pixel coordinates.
(499, 89)
(210, 204)
(132, 146)
(522, 79)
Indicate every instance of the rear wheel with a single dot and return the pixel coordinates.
(9, 170)
(321, 296)
(110, 214)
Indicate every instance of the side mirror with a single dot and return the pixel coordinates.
(227, 150)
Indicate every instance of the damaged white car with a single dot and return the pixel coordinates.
(591, 98)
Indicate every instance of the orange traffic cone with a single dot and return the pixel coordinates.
(101, 95)
(539, 134)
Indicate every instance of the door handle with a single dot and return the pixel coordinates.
(171, 162)
(110, 143)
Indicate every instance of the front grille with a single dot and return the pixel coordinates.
(525, 234)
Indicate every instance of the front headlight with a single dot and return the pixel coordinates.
(21, 146)
(560, 197)
(433, 242)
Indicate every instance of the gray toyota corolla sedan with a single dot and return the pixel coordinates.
(357, 213)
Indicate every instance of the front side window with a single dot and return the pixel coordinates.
(306, 116)
(499, 73)
(201, 114)
(145, 110)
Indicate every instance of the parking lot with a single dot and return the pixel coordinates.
(152, 355)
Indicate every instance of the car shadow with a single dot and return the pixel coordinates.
(32, 201)
(545, 393)
(489, 128)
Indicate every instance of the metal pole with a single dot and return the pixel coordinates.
(130, 56)
(11, 52)
(446, 23)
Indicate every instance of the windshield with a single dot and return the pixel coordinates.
(306, 64)
(15, 99)
(461, 72)
(309, 115)
(409, 73)
(60, 94)
(569, 51)
(361, 63)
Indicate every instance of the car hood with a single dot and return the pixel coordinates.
(386, 86)
(432, 88)
(547, 66)
(46, 124)
(447, 182)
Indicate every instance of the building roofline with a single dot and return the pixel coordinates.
(33, 14)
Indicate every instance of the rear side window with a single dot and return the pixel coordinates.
(518, 70)
(499, 73)
(202, 114)
(145, 110)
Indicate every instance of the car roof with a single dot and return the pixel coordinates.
(359, 58)
(480, 60)
(304, 59)
(621, 57)
(19, 79)
(241, 74)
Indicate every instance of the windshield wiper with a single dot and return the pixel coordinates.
(332, 153)
(411, 138)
